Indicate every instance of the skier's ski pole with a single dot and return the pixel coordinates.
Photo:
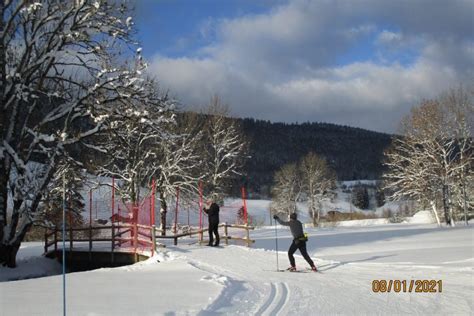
(276, 243)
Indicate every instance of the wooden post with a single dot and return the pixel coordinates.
(45, 240)
(248, 235)
(112, 257)
(113, 197)
(55, 239)
(226, 235)
(90, 224)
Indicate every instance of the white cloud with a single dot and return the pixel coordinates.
(387, 37)
(282, 65)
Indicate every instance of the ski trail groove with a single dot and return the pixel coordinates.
(269, 300)
(277, 299)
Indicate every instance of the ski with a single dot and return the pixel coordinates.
(296, 271)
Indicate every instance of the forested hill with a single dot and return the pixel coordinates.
(353, 153)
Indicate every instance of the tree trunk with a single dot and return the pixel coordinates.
(3, 197)
(447, 215)
(8, 252)
(450, 206)
(8, 255)
(312, 210)
(318, 216)
(3, 170)
(435, 212)
(465, 204)
(163, 211)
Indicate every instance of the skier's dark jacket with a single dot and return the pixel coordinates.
(213, 213)
(295, 225)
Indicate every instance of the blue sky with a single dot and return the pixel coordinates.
(361, 63)
(173, 27)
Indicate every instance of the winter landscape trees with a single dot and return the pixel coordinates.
(432, 159)
(311, 180)
(224, 147)
(62, 80)
(72, 80)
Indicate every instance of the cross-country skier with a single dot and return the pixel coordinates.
(299, 241)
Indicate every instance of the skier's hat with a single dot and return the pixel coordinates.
(293, 215)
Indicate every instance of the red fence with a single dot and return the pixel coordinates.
(184, 214)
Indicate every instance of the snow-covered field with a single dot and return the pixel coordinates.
(234, 280)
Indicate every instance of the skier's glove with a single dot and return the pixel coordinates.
(275, 217)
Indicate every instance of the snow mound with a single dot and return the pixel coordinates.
(360, 222)
(422, 217)
(218, 279)
(30, 268)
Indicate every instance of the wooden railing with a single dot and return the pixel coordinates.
(142, 235)
(247, 228)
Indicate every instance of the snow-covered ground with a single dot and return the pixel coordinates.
(234, 280)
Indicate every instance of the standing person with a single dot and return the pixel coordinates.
(299, 241)
(213, 213)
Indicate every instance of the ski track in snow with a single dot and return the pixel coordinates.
(276, 301)
(271, 293)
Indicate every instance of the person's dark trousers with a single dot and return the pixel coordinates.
(302, 247)
(213, 229)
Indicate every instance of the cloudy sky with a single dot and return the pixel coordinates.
(360, 63)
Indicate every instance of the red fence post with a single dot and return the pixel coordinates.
(152, 217)
(135, 229)
(152, 202)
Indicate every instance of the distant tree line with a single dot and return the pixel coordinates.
(353, 153)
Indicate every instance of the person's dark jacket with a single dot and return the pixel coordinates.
(295, 225)
(213, 213)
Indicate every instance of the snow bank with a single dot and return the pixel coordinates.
(358, 222)
(422, 217)
(30, 268)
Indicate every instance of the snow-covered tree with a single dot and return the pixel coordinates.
(224, 148)
(317, 182)
(68, 181)
(409, 175)
(64, 74)
(432, 159)
(179, 164)
(459, 106)
(131, 145)
(286, 190)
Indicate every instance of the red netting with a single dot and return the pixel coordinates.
(134, 222)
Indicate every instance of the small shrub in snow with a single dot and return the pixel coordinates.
(396, 219)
